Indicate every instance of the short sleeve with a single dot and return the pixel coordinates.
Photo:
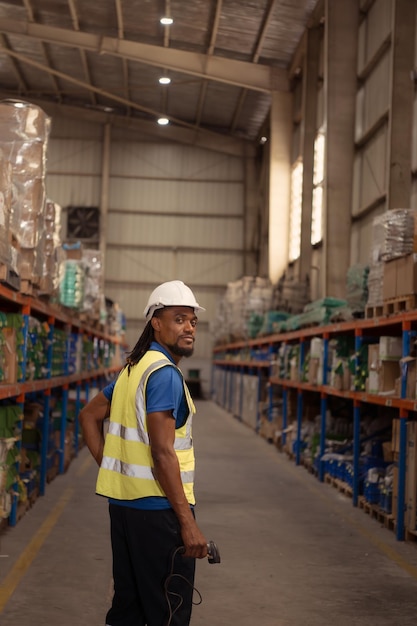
(165, 391)
(108, 390)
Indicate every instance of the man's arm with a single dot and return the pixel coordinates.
(91, 419)
(161, 429)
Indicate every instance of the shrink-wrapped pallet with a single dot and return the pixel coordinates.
(49, 249)
(393, 234)
(5, 207)
(24, 133)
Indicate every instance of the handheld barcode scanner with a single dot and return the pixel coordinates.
(213, 554)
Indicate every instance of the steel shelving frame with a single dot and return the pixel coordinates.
(399, 324)
(54, 315)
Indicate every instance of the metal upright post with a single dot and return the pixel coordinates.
(356, 423)
(284, 415)
(323, 406)
(400, 530)
(300, 405)
(63, 429)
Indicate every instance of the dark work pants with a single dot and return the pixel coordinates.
(143, 544)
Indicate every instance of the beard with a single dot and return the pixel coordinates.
(175, 349)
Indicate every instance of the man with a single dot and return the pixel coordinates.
(147, 467)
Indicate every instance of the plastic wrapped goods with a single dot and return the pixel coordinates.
(93, 281)
(71, 284)
(357, 287)
(23, 121)
(5, 207)
(393, 234)
(48, 250)
(24, 132)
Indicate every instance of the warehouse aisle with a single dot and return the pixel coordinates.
(294, 551)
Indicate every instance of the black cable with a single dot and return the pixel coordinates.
(178, 596)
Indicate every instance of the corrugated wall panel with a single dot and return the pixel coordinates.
(170, 196)
(361, 238)
(370, 171)
(172, 161)
(71, 190)
(373, 31)
(374, 98)
(147, 266)
(75, 155)
(175, 231)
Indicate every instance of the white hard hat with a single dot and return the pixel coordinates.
(172, 293)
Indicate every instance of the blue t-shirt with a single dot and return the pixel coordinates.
(164, 392)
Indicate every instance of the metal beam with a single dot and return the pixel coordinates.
(255, 58)
(198, 138)
(239, 73)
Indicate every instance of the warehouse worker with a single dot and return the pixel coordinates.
(147, 467)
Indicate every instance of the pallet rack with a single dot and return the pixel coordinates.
(234, 357)
(95, 368)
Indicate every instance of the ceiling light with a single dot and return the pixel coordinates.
(166, 21)
(163, 121)
(164, 80)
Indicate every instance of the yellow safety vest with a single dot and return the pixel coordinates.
(126, 471)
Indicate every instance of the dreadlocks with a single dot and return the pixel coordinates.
(142, 346)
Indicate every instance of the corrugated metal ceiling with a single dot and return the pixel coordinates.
(223, 57)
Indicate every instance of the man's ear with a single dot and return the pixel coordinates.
(156, 324)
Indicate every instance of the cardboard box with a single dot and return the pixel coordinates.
(294, 371)
(373, 381)
(407, 275)
(313, 371)
(373, 357)
(389, 288)
(395, 437)
(387, 375)
(390, 348)
(387, 451)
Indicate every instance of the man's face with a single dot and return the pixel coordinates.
(174, 328)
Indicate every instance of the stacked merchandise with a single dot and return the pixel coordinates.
(93, 283)
(243, 298)
(357, 288)
(9, 455)
(5, 209)
(72, 277)
(24, 133)
(37, 349)
(49, 248)
(81, 281)
(291, 294)
(392, 238)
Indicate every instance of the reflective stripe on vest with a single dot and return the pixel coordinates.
(138, 471)
(126, 471)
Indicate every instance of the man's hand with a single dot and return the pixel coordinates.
(161, 429)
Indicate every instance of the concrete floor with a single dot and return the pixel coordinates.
(294, 551)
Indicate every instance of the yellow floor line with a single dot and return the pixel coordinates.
(84, 467)
(22, 564)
